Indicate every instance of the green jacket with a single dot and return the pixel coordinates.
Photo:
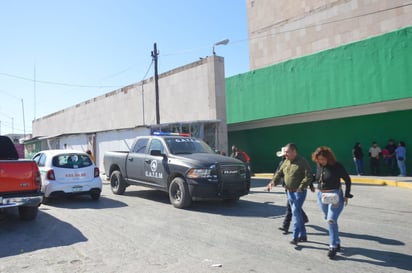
(297, 174)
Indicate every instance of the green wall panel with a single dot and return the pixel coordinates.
(373, 70)
(339, 134)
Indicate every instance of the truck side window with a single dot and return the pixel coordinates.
(140, 146)
(156, 145)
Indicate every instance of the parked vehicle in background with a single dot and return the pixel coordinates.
(185, 167)
(68, 172)
(20, 183)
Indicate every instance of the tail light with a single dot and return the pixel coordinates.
(36, 176)
(96, 172)
(50, 175)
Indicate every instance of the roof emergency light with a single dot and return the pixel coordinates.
(156, 133)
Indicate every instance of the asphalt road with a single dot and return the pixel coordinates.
(142, 232)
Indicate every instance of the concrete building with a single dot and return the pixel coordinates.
(330, 72)
(191, 100)
(283, 30)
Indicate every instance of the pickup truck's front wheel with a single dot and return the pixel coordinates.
(179, 193)
(117, 183)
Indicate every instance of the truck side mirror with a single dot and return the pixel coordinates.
(156, 153)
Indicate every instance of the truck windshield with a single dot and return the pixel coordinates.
(187, 145)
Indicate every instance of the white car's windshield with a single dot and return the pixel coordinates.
(187, 145)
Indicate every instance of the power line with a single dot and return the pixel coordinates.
(327, 22)
(59, 83)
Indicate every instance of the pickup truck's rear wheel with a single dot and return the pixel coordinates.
(179, 193)
(28, 213)
(117, 183)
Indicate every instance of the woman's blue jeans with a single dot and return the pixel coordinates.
(359, 166)
(331, 213)
(296, 200)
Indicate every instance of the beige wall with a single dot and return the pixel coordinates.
(194, 92)
(284, 29)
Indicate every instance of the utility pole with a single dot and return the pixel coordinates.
(156, 77)
(24, 121)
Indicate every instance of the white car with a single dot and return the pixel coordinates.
(68, 172)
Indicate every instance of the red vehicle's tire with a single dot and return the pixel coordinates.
(28, 213)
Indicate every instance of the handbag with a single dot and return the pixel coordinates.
(327, 197)
(330, 198)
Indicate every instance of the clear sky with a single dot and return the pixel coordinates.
(57, 53)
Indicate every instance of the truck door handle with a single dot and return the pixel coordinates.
(147, 161)
(130, 159)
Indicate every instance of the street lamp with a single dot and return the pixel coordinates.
(223, 42)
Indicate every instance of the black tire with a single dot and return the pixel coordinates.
(28, 213)
(95, 194)
(231, 200)
(117, 183)
(179, 193)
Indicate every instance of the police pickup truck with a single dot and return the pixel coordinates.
(185, 167)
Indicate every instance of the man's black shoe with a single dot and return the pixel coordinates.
(338, 249)
(303, 239)
(294, 242)
(285, 230)
(332, 253)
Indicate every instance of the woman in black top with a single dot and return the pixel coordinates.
(328, 174)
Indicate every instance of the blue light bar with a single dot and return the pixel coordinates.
(170, 134)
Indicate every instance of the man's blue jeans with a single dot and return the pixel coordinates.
(331, 213)
(296, 200)
(402, 167)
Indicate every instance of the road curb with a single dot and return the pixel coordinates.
(403, 182)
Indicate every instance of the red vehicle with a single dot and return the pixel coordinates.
(20, 182)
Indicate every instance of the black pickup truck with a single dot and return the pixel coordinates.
(185, 167)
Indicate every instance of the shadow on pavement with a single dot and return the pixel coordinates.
(241, 208)
(366, 255)
(84, 202)
(18, 237)
(378, 239)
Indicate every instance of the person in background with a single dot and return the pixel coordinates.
(401, 158)
(390, 159)
(288, 214)
(357, 155)
(297, 175)
(329, 173)
(374, 157)
(241, 155)
(91, 155)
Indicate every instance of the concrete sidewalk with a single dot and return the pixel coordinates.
(394, 181)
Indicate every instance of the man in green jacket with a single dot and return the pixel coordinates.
(297, 175)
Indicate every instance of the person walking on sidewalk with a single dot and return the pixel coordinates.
(288, 213)
(297, 174)
(329, 173)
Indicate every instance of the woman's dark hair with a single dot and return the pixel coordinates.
(326, 152)
(402, 143)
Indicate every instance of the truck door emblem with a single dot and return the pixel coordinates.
(153, 170)
(153, 165)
